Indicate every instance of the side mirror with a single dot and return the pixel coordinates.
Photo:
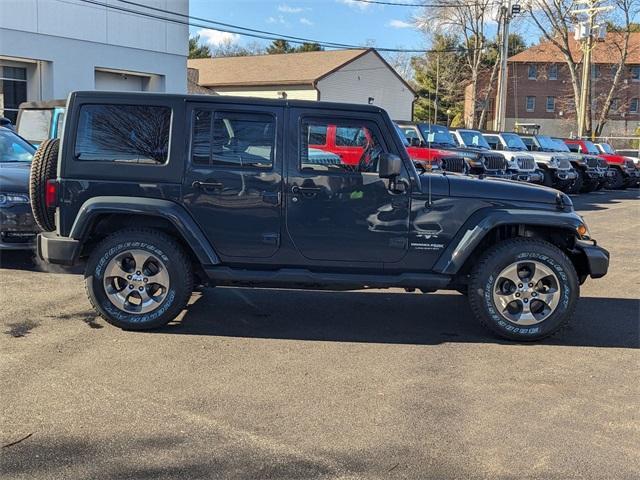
(390, 165)
(414, 142)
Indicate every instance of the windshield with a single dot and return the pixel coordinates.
(13, 148)
(606, 148)
(34, 125)
(472, 138)
(405, 142)
(437, 135)
(550, 145)
(514, 142)
(591, 148)
(561, 146)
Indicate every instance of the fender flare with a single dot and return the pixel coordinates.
(481, 222)
(171, 211)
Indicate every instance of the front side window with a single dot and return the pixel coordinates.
(123, 133)
(553, 72)
(533, 72)
(233, 139)
(551, 104)
(530, 104)
(352, 146)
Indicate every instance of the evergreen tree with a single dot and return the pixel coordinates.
(197, 50)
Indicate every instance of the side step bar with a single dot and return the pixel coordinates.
(302, 278)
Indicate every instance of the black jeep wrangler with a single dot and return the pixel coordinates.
(161, 193)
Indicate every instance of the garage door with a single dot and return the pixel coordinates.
(119, 82)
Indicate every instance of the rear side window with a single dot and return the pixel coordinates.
(233, 139)
(123, 133)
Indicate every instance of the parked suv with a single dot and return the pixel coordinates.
(589, 174)
(478, 154)
(623, 172)
(431, 144)
(521, 164)
(555, 165)
(157, 193)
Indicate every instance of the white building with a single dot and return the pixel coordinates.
(51, 47)
(353, 76)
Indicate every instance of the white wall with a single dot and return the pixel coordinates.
(365, 77)
(70, 39)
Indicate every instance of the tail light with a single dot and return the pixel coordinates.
(51, 194)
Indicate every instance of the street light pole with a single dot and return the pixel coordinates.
(499, 121)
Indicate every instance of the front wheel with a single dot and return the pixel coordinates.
(524, 289)
(138, 279)
(617, 181)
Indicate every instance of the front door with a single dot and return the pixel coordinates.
(233, 180)
(338, 208)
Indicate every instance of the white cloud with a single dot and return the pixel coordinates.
(284, 8)
(278, 19)
(216, 37)
(400, 24)
(306, 21)
(355, 4)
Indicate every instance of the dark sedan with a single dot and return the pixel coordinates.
(17, 227)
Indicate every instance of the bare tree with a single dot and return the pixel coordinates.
(468, 19)
(555, 20)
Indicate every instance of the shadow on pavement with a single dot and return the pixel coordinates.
(28, 260)
(602, 199)
(386, 318)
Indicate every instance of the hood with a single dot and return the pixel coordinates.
(14, 177)
(501, 189)
(613, 158)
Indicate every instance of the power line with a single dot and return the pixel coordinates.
(261, 34)
(430, 5)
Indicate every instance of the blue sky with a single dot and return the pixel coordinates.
(343, 21)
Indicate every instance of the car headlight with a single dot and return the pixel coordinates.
(583, 231)
(553, 162)
(11, 198)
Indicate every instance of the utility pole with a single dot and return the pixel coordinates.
(499, 120)
(435, 116)
(584, 32)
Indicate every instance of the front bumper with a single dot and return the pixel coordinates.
(528, 176)
(597, 258)
(18, 229)
(565, 175)
(53, 248)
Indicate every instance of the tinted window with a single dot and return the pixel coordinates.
(123, 133)
(13, 148)
(233, 139)
(59, 125)
(318, 135)
(357, 147)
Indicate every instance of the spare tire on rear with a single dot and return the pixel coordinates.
(43, 168)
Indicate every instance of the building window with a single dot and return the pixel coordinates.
(633, 105)
(233, 139)
(533, 72)
(553, 72)
(595, 71)
(635, 73)
(123, 133)
(551, 104)
(352, 147)
(615, 104)
(531, 104)
(13, 90)
(614, 70)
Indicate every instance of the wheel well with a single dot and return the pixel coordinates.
(105, 224)
(562, 238)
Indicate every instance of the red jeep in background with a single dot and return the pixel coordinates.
(625, 172)
(427, 156)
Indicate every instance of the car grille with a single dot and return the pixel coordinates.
(495, 162)
(602, 163)
(629, 164)
(453, 164)
(564, 164)
(526, 163)
(592, 162)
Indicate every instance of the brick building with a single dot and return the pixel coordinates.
(540, 90)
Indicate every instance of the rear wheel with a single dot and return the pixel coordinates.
(43, 168)
(524, 289)
(138, 279)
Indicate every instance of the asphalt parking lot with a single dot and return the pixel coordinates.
(287, 385)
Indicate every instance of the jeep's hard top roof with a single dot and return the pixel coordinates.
(227, 99)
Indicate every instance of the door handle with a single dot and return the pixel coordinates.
(206, 185)
(304, 190)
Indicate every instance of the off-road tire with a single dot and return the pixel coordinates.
(547, 178)
(155, 243)
(494, 260)
(578, 183)
(43, 167)
(617, 182)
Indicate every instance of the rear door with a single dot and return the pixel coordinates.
(233, 179)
